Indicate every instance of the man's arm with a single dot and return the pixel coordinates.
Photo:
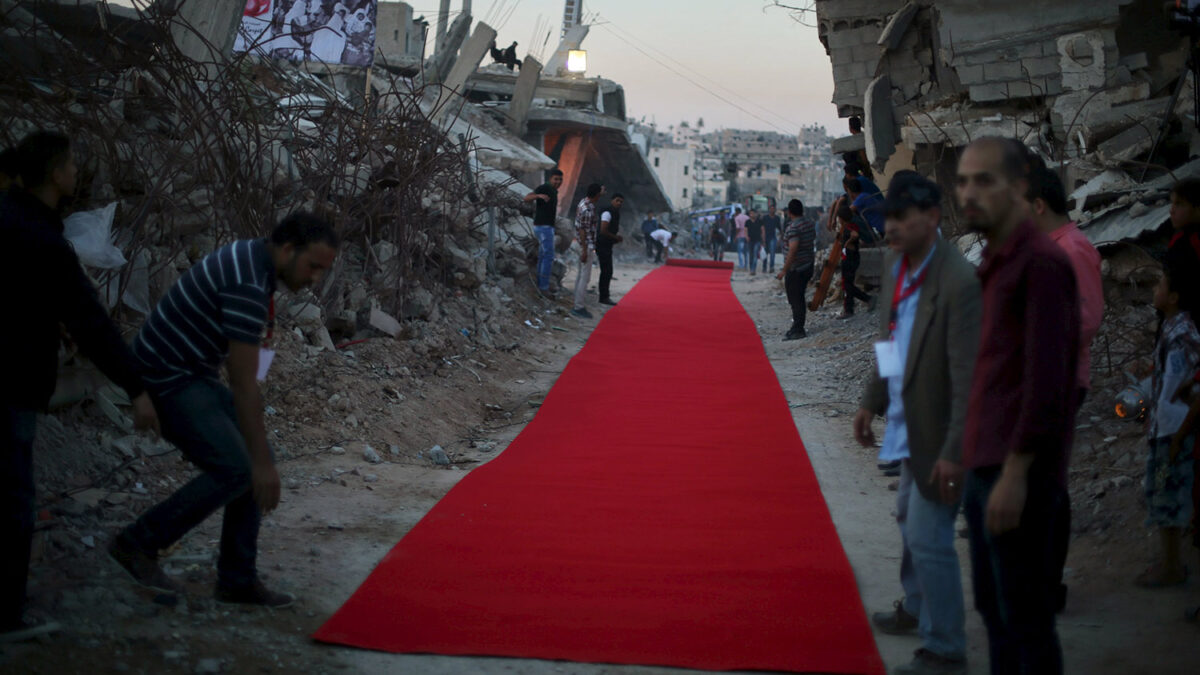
(247, 401)
(791, 257)
(90, 327)
(605, 220)
(1091, 293)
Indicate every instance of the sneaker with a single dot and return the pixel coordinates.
(897, 622)
(141, 566)
(607, 301)
(884, 466)
(29, 629)
(254, 594)
(926, 662)
(581, 312)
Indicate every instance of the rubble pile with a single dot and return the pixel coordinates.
(179, 156)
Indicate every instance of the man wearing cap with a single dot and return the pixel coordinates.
(925, 360)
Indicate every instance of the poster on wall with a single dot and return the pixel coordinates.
(328, 31)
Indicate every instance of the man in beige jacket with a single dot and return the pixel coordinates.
(925, 358)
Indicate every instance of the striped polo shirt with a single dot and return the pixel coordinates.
(224, 297)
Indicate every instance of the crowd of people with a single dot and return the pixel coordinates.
(980, 374)
(597, 231)
(980, 377)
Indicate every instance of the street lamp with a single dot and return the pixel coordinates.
(576, 60)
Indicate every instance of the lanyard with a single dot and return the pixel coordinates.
(899, 296)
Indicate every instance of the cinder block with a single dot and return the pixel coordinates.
(970, 75)
(1005, 90)
(1045, 65)
(843, 55)
(868, 35)
(1003, 70)
(840, 39)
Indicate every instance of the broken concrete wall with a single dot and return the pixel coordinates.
(850, 31)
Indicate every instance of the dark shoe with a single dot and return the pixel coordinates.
(897, 622)
(141, 566)
(926, 662)
(607, 301)
(29, 629)
(581, 312)
(884, 466)
(254, 594)
(794, 335)
(892, 473)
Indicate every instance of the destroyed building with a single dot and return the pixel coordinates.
(1100, 89)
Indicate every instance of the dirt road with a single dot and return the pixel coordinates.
(342, 513)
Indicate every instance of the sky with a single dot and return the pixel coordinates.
(734, 63)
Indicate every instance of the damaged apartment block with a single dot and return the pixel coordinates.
(1102, 90)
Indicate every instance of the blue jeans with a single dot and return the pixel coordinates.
(1016, 574)
(545, 236)
(17, 427)
(756, 248)
(929, 569)
(743, 258)
(771, 246)
(201, 421)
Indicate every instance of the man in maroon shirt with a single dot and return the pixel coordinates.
(1019, 416)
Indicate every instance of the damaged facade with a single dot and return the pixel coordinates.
(1100, 89)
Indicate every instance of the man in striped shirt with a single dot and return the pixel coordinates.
(218, 312)
(800, 238)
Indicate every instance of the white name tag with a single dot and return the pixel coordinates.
(888, 356)
(265, 357)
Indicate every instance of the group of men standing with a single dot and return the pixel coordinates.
(597, 231)
(980, 376)
(756, 237)
(219, 313)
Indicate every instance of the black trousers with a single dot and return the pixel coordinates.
(201, 421)
(17, 427)
(649, 244)
(795, 282)
(604, 257)
(1015, 574)
(851, 292)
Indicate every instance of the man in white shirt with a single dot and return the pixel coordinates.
(663, 238)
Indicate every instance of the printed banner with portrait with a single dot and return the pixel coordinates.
(329, 31)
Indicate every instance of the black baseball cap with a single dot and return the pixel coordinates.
(908, 189)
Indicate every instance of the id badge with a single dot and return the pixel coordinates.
(265, 357)
(888, 356)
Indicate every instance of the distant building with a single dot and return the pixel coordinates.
(675, 169)
(398, 41)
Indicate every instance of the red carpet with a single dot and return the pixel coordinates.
(659, 510)
(691, 262)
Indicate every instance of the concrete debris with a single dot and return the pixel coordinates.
(438, 456)
(370, 455)
(385, 323)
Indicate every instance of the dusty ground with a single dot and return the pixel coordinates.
(341, 513)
